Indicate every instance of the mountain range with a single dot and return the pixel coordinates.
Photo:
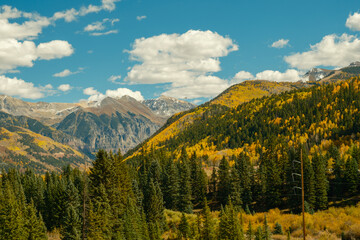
(47, 136)
(73, 132)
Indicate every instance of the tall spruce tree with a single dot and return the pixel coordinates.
(224, 184)
(322, 185)
(208, 230)
(184, 201)
(352, 176)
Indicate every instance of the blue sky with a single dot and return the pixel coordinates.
(65, 51)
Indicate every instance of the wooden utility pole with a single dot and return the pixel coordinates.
(302, 192)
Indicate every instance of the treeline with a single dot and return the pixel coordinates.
(117, 200)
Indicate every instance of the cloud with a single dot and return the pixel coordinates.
(64, 87)
(22, 54)
(100, 25)
(281, 43)
(353, 22)
(332, 50)
(20, 88)
(72, 14)
(139, 18)
(104, 33)
(242, 76)
(181, 60)
(113, 78)
(291, 75)
(117, 93)
(66, 73)
(28, 29)
(200, 87)
(90, 91)
(54, 49)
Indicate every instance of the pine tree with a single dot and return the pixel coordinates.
(171, 186)
(249, 232)
(259, 235)
(71, 226)
(224, 185)
(245, 171)
(154, 209)
(229, 226)
(278, 229)
(184, 226)
(184, 201)
(351, 176)
(12, 217)
(34, 225)
(208, 230)
(267, 232)
(236, 191)
(99, 217)
(198, 181)
(321, 186)
(213, 184)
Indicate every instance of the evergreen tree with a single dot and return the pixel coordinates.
(321, 186)
(224, 185)
(259, 235)
(184, 201)
(208, 230)
(351, 176)
(171, 186)
(99, 217)
(229, 226)
(34, 225)
(249, 232)
(184, 227)
(198, 181)
(278, 229)
(70, 228)
(213, 184)
(266, 232)
(154, 209)
(245, 171)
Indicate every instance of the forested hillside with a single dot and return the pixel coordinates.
(213, 179)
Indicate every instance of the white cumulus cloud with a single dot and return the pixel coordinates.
(353, 22)
(281, 43)
(117, 93)
(182, 60)
(290, 75)
(90, 91)
(242, 76)
(332, 50)
(22, 54)
(19, 88)
(64, 87)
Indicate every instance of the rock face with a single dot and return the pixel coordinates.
(168, 106)
(112, 124)
(316, 74)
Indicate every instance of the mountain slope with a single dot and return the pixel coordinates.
(230, 98)
(26, 142)
(317, 115)
(112, 124)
